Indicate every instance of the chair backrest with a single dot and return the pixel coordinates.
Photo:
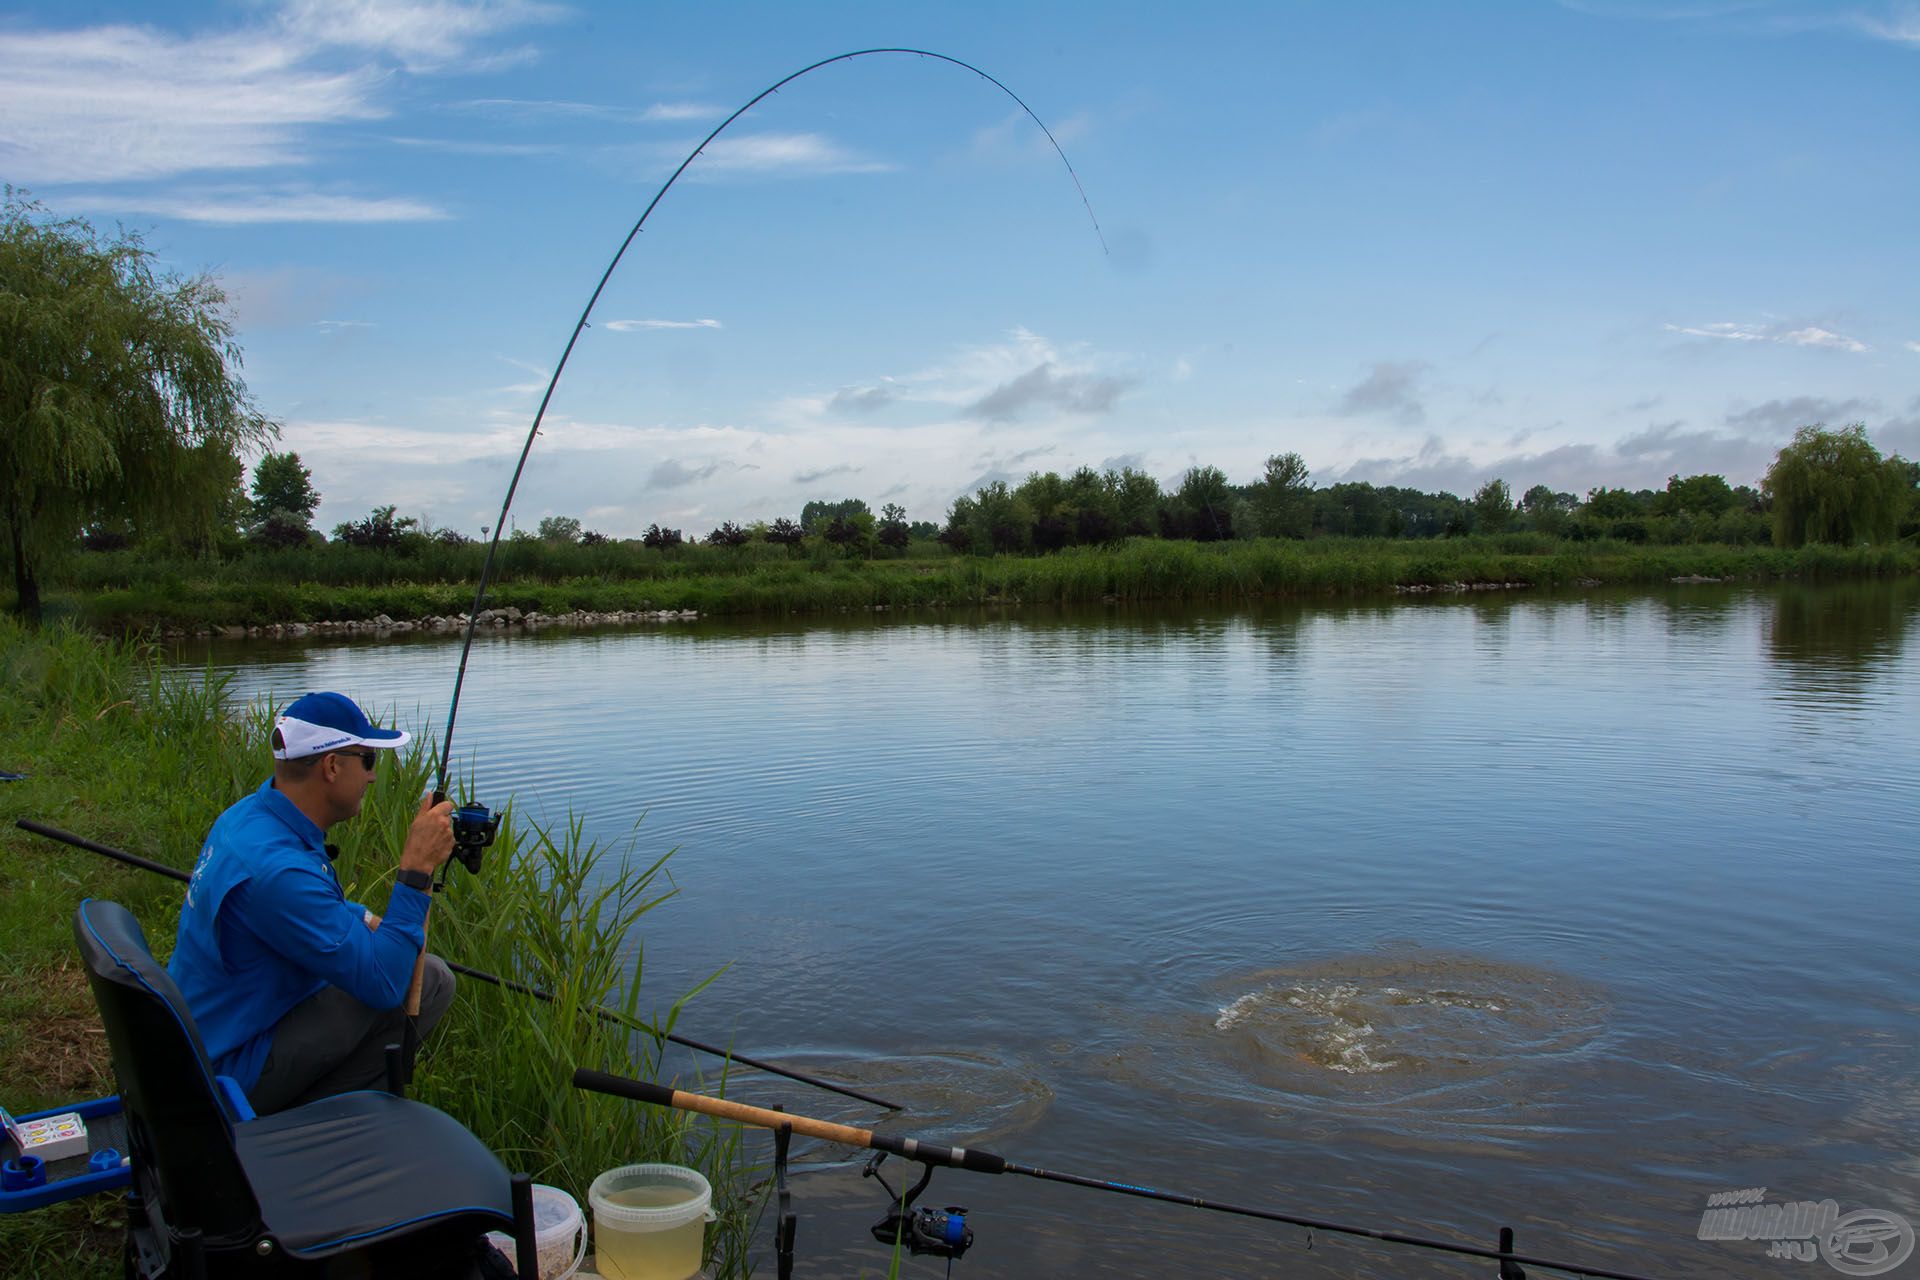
(178, 1124)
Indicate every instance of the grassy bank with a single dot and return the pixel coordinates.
(121, 593)
(116, 753)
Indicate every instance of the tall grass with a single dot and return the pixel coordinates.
(345, 584)
(551, 909)
(117, 752)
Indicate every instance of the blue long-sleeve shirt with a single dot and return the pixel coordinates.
(265, 925)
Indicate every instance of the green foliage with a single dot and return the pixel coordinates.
(1281, 499)
(281, 483)
(1702, 495)
(1546, 510)
(1351, 510)
(129, 591)
(999, 522)
(1833, 486)
(1611, 504)
(117, 752)
(379, 529)
(892, 530)
(784, 532)
(1202, 507)
(561, 529)
(814, 516)
(1492, 506)
(660, 539)
(551, 909)
(119, 392)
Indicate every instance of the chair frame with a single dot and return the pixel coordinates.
(194, 1211)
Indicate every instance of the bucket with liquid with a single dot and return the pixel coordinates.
(649, 1221)
(559, 1232)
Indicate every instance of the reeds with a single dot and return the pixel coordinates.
(552, 909)
(118, 752)
(356, 584)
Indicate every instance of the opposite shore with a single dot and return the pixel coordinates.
(289, 599)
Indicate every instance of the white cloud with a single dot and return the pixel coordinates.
(241, 207)
(628, 326)
(1813, 336)
(464, 147)
(134, 103)
(420, 34)
(1902, 27)
(533, 107)
(118, 103)
(661, 111)
(1738, 332)
(341, 326)
(807, 153)
(1017, 134)
(1807, 336)
(629, 475)
(1391, 388)
(1912, 346)
(994, 381)
(658, 113)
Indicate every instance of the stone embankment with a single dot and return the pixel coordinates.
(490, 619)
(1422, 588)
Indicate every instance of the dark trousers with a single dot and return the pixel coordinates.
(331, 1043)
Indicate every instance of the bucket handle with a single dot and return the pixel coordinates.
(579, 1248)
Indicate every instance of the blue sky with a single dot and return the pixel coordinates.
(1574, 244)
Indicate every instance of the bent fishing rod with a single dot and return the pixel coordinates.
(480, 975)
(474, 823)
(934, 1154)
(500, 524)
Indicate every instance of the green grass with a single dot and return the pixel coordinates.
(121, 755)
(121, 593)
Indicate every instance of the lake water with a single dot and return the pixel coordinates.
(1436, 915)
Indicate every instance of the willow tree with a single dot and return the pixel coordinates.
(120, 395)
(1833, 486)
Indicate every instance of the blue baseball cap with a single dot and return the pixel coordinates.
(318, 722)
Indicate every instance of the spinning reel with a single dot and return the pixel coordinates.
(943, 1233)
(474, 826)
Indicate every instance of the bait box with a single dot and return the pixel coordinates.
(50, 1137)
(70, 1177)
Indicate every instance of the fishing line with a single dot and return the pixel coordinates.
(518, 988)
(975, 1160)
(500, 525)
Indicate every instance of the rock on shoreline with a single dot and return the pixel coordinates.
(1422, 588)
(507, 618)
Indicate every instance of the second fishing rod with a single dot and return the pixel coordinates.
(946, 1233)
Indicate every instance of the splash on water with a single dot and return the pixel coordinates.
(1424, 1017)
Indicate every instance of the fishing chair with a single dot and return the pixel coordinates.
(361, 1184)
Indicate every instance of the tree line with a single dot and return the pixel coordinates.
(1824, 486)
(124, 419)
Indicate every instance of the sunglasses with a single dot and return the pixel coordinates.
(367, 758)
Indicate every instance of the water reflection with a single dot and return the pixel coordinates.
(1830, 642)
(1586, 879)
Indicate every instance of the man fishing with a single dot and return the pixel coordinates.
(296, 991)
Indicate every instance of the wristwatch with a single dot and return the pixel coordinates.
(421, 880)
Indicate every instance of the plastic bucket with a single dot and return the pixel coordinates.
(649, 1221)
(559, 1233)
